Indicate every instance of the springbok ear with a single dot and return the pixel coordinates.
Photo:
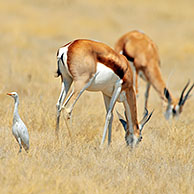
(167, 95)
(168, 112)
(123, 122)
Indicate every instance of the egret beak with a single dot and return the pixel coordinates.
(9, 94)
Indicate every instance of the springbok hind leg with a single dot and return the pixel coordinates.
(64, 90)
(77, 93)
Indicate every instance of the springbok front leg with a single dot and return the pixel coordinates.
(117, 91)
(20, 144)
(136, 82)
(107, 100)
(147, 95)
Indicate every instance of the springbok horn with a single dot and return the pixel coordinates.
(145, 115)
(182, 94)
(187, 95)
(124, 123)
(145, 119)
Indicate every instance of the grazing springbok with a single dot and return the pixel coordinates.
(138, 48)
(94, 66)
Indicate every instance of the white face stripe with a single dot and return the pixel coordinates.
(168, 112)
(135, 141)
(177, 107)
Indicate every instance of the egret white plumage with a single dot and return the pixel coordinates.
(19, 129)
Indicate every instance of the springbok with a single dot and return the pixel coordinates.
(138, 48)
(94, 66)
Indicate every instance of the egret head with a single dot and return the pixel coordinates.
(13, 94)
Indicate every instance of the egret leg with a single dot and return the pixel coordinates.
(25, 146)
(20, 144)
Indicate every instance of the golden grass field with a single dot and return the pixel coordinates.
(30, 34)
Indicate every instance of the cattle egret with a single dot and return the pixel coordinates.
(19, 129)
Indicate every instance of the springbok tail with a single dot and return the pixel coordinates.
(58, 72)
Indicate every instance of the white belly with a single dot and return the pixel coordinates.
(104, 81)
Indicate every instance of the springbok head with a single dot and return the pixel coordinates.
(175, 108)
(129, 138)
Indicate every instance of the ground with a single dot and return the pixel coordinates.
(30, 34)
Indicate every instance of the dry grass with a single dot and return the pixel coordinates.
(31, 32)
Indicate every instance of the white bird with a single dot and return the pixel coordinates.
(19, 129)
